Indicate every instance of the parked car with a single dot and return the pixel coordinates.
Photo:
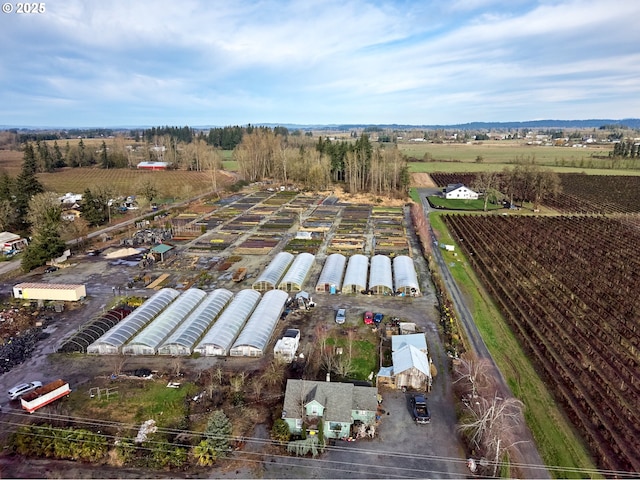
(377, 318)
(51, 269)
(420, 409)
(22, 389)
(368, 318)
(341, 316)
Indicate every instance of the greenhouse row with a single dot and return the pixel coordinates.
(384, 276)
(215, 323)
(285, 272)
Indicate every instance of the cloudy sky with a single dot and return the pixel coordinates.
(225, 62)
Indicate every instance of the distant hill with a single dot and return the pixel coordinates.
(549, 123)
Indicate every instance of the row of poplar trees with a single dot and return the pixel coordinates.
(361, 166)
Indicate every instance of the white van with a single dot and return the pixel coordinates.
(23, 388)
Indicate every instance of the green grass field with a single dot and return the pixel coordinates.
(558, 442)
(473, 205)
(500, 154)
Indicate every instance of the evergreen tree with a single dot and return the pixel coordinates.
(58, 159)
(218, 432)
(92, 210)
(45, 216)
(27, 185)
(6, 187)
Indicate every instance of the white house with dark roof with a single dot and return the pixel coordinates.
(458, 191)
(337, 405)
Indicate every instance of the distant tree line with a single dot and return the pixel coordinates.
(626, 149)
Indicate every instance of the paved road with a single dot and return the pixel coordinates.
(527, 451)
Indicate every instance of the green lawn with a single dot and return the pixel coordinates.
(558, 442)
(456, 204)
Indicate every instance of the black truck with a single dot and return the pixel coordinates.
(420, 409)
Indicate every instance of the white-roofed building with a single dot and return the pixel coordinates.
(219, 339)
(183, 339)
(411, 364)
(270, 277)
(405, 278)
(111, 342)
(331, 276)
(151, 337)
(355, 279)
(297, 273)
(258, 330)
(380, 275)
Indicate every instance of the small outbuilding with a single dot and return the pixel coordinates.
(67, 292)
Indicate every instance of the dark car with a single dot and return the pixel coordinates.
(420, 409)
(377, 318)
(368, 318)
(50, 269)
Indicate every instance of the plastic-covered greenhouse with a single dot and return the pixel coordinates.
(111, 342)
(256, 334)
(380, 276)
(181, 341)
(220, 337)
(405, 276)
(148, 340)
(297, 273)
(355, 279)
(331, 276)
(270, 277)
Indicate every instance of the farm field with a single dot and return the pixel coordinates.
(170, 184)
(567, 292)
(503, 151)
(581, 194)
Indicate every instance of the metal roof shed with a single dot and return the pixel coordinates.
(151, 337)
(220, 337)
(331, 275)
(380, 277)
(271, 276)
(181, 341)
(355, 279)
(111, 342)
(297, 273)
(256, 334)
(405, 276)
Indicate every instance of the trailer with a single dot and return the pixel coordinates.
(44, 395)
(50, 291)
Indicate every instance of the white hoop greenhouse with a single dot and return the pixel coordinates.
(297, 273)
(271, 275)
(331, 276)
(220, 337)
(380, 276)
(405, 276)
(111, 342)
(256, 334)
(151, 337)
(355, 279)
(181, 341)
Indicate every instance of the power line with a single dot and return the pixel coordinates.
(268, 442)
